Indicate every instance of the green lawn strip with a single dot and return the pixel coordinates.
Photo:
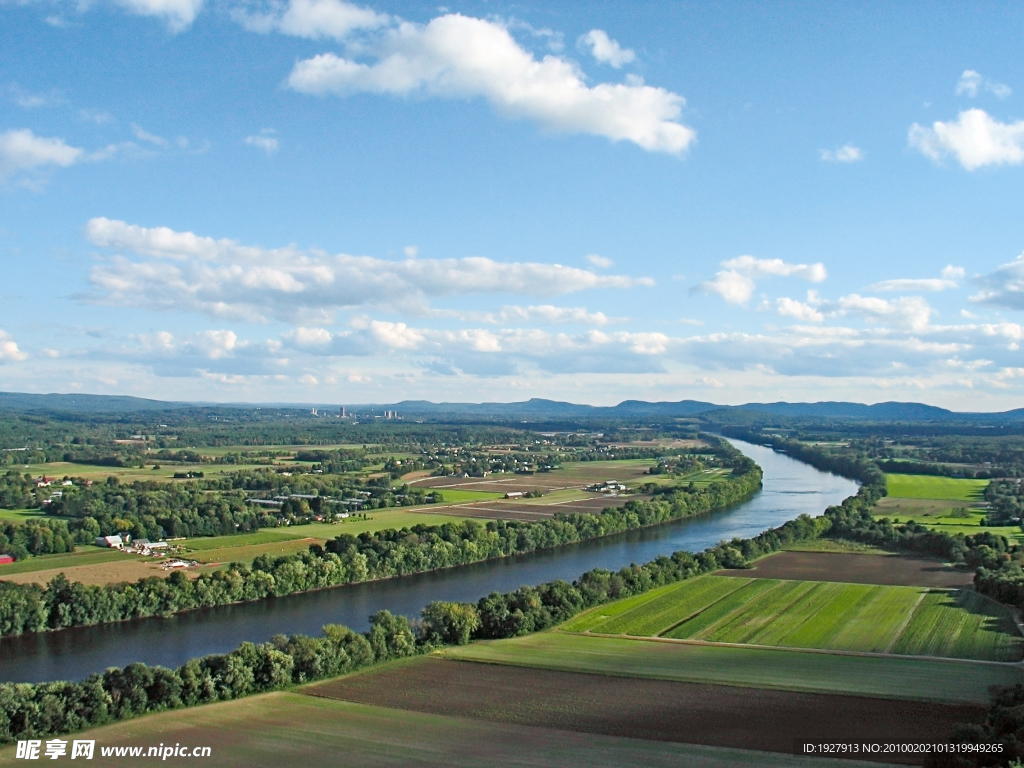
(707, 619)
(959, 626)
(651, 618)
(872, 628)
(935, 487)
(266, 536)
(588, 620)
(83, 556)
(458, 496)
(21, 515)
(874, 676)
(771, 606)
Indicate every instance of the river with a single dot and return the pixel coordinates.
(791, 488)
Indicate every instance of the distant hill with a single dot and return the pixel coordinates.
(19, 401)
(538, 408)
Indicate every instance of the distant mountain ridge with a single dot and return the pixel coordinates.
(535, 407)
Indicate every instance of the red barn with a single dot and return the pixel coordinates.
(4, 559)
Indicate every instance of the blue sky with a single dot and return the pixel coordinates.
(315, 201)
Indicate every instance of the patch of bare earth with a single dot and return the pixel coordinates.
(714, 715)
(891, 570)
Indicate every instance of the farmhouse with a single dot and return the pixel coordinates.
(514, 495)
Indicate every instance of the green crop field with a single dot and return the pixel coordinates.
(962, 625)
(934, 487)
(817, 615)
(457, 496)
(888, 677)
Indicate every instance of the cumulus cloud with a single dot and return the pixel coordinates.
(312, 19)
(605, 50)
(975, 139)
(971, 82)
(22, 150)
(185, 271)
(844, 154)
(455, 56)
(1004, 287)
(798, 310)
(9, 351)
(265, 140)
(736, 281)
(950, 279)
(910, 312)
(178, 14)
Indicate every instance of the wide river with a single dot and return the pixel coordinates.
(791, 488)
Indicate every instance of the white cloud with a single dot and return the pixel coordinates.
(9, 351)
(735, 282)
(732, 286)
(264, 140)
(28, 100)
(22, 150)
(187, 272)
(312, 19)
(411, 251)
(975, 139)
(1004, 287)
(910, 312)
(455, 56)
(606, 50)
(970, 82)
(600, 261)
(748, 265)
(544, 314)
(798, 310)
(151, 138)
(844, 154)
(179, 14)
(950, 277)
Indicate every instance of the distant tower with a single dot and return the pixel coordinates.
(342, 412)
(313, 411)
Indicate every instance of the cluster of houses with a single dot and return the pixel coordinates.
(133, 546)
(608, 486)
(48, 482)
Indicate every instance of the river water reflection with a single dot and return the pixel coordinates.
(791, 488)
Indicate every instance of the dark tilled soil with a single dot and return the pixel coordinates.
(894, 570)
(715, 715)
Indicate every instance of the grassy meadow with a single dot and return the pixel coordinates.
(935, 487)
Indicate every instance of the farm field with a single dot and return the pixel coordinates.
(564, 489)
(660, 710)
(886, 677)
(935, 487)
(857, 568)
(84, 555)
(947, 516)
(281, 730)
(864, 618)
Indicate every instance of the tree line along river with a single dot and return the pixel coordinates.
(790, 488)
